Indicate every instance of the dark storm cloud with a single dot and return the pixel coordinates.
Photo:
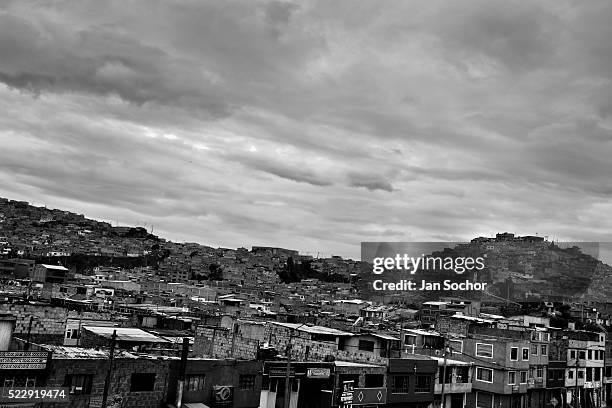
(312, 124)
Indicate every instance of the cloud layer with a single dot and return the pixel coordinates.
(312, 125)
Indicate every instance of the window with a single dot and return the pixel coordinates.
(590, 355)
(543, 350)
(534, 349)
(484, 400)
(366, 345)
(400, 384)
(573, 354)
(423, 383)
(246, 382)
(581, 374)
(514, 353)
(525, 353)
(589, 374)
(72, 333)
(484, 374)
(374, 380)
(484, 350)
(523, 377)
(410, 340)
(142, 382)
(554, 375)
(540, 372)
(195, 382)
(511, 377)
(78, 384)
(570, 374)
(463, 374)
(448, 375)
(597, 376)
(581, 355)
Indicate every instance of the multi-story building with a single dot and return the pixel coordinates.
(317, 384)
(584, 353)
(607, 380)
(538, 365)
(454, 380)
(501, 358)
(411, 381)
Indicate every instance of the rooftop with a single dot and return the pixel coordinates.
(125, 334)
(313, 329)
(55, 267)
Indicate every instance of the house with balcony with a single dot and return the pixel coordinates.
(557, 368)
(538, 365)
(454, 380)
(585, 366)
(426, 342)
(368, 346)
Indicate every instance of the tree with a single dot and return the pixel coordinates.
(215, 272)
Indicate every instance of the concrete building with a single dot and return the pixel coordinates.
(49, 274)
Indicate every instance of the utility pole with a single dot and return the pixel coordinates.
(288, 372)
(110, 368)
(442, 404)
(182, 369)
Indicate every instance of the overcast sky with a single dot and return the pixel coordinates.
(312, 125)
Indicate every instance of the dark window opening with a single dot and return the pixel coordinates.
(142, 382)
(246, 382)
(400, 384)
(423, 383)
(366, 345)
(374, 380)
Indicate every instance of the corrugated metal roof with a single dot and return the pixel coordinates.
(440, 361)
(314, 329)
(353, 364)
(125, 334)
(384, 336)
(422, 332)
(57, 267)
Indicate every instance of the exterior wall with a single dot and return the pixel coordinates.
(217, 373)
(351, 345)
(120, 380)
(450, 325)
(219, 342)
(499, 400)
(501, 358)
(48, 324)
(410, 367)
(538, 363)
